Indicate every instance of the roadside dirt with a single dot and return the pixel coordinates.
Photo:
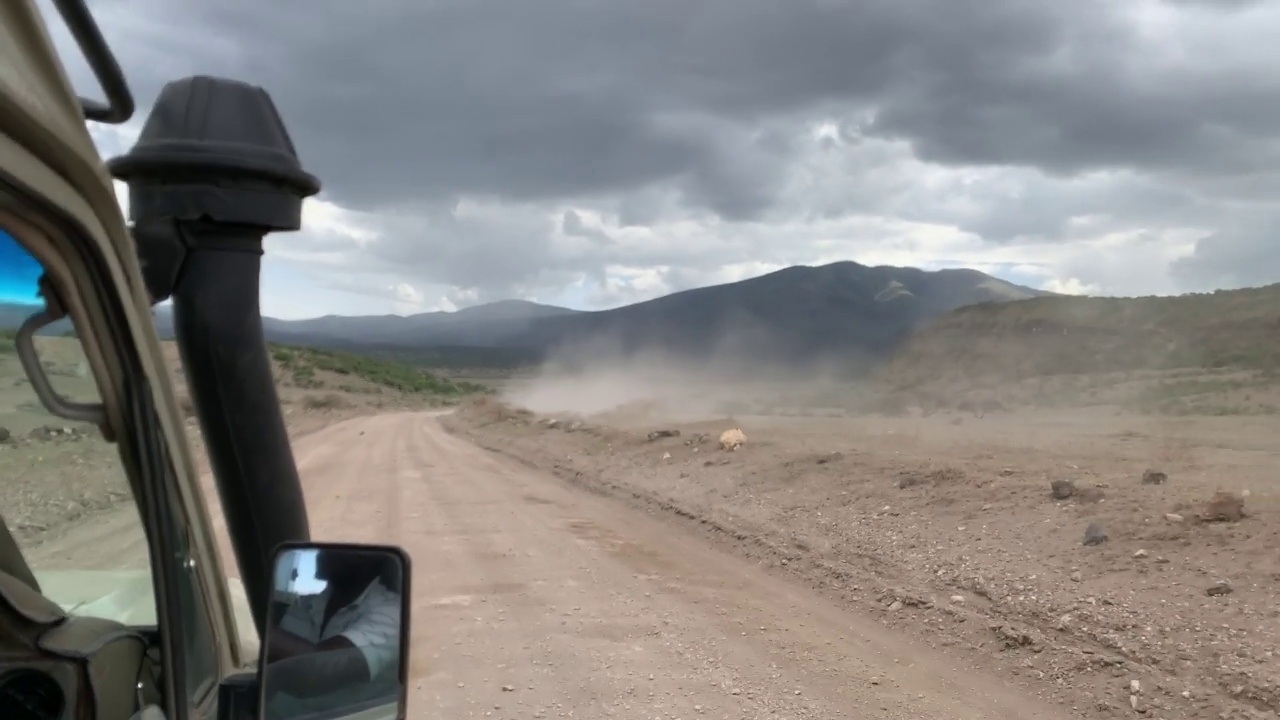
(945, 579)
(946, 528)
(534, 599)
(57, 473)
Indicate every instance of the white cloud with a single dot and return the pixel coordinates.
(1070, 286)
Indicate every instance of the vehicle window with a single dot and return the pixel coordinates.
(67, 500)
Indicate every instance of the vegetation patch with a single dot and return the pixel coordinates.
(301, 363)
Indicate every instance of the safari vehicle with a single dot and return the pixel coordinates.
(212, 174)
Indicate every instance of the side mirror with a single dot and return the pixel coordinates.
(337, 634)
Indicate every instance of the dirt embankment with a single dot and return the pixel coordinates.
(1038, 541)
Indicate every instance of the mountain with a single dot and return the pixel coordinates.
(799, 313)
(477, 325)
(838, 310)
(11, 316)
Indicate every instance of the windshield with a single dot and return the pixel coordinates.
(67, 500)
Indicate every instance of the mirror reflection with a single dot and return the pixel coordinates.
(335, 634)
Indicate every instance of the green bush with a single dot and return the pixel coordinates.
(303, 363)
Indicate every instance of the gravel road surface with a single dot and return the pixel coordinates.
(533, 599)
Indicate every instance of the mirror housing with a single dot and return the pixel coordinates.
(336, 640)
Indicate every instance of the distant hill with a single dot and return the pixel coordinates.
(478, 326)
(801, 313)
(839, 310)
(991, 344)
(11, 316)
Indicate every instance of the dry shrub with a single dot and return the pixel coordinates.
(946, 475)
(328, 401)
(732, 439)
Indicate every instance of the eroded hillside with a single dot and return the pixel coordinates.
(1216, 353)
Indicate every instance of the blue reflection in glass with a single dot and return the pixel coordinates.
(19, 274)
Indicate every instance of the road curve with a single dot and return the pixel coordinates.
(532, 599)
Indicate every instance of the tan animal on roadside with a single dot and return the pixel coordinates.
(732, 439)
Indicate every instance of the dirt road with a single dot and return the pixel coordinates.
(533, 599)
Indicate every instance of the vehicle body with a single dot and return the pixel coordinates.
(193, 635)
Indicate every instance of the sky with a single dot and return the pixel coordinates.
(306, 583)
(19, 274)
(593, 154)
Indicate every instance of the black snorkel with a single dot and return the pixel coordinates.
(213, 172)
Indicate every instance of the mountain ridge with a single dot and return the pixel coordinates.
(838, 310)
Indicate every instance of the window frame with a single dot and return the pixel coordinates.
(145, 450)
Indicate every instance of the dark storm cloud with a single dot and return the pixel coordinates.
(394, 101)
(1216, 4)
(1239, 255)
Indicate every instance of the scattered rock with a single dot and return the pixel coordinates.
(1173, 517)
(1062, 489)
(658, 434)
(1140, 553)
(906, 480)
(1013, 637)
(49, 433)
(1223, 507)
(1220, 588)
(957, 599)
(1095, 534)
(1154, 477)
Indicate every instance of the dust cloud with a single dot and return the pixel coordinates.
(653, 384)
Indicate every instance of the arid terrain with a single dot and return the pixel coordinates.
(1019, 534)
(1119, 563)
(533, 598)
(56, 472)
